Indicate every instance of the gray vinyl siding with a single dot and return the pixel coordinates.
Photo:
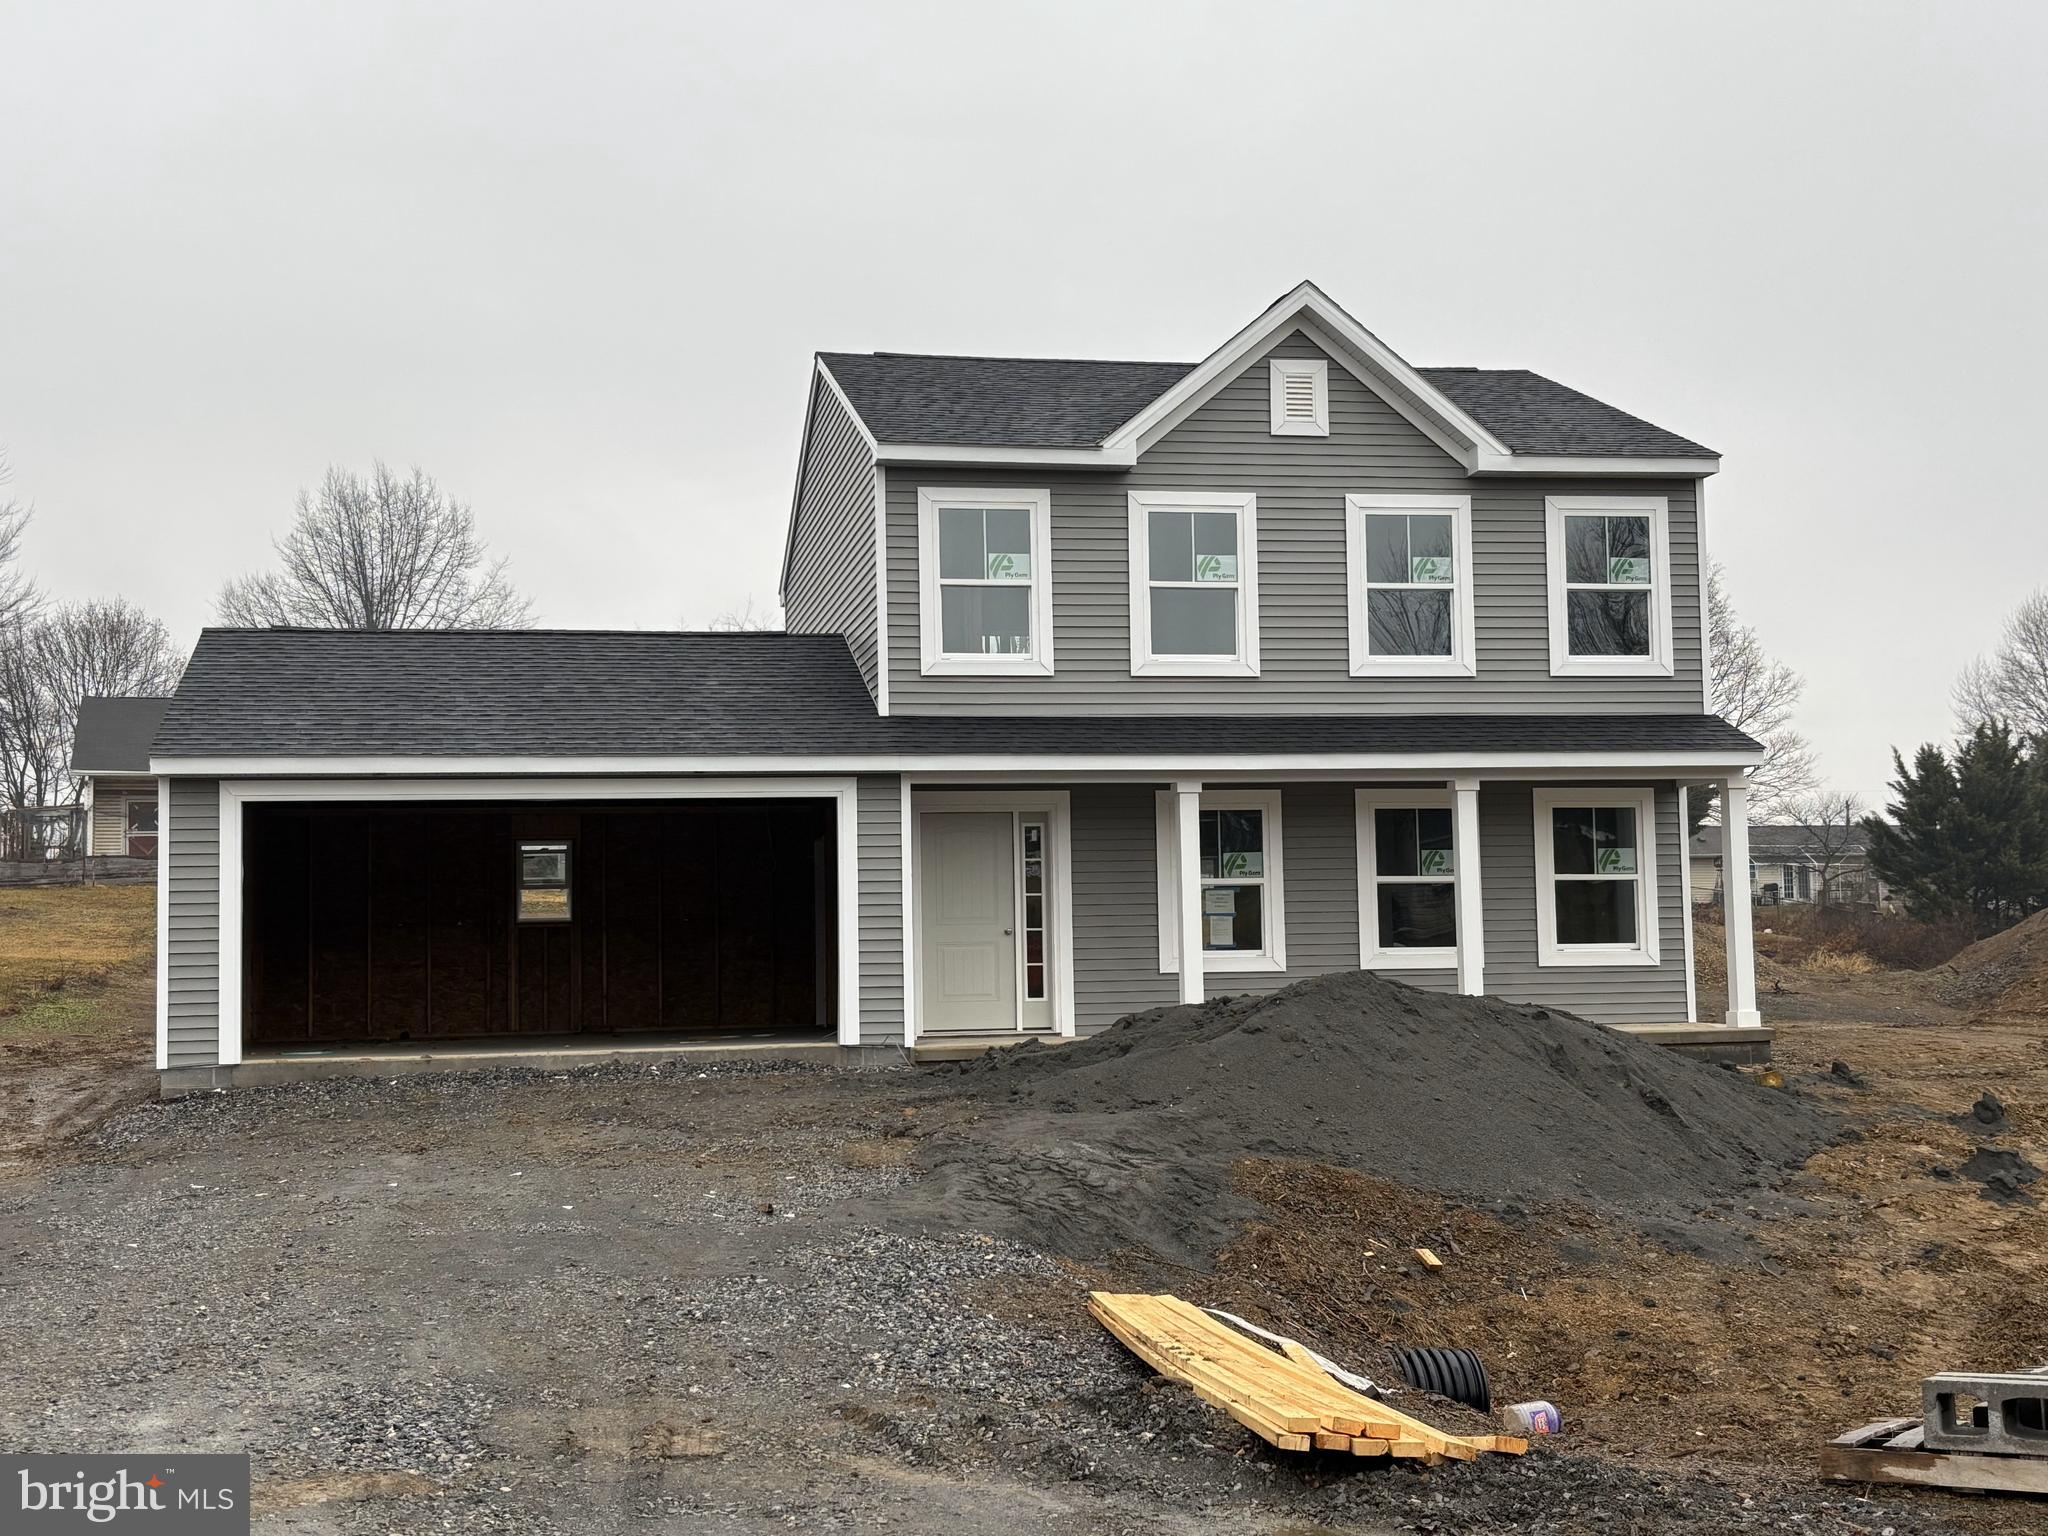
(1300, 483)
(831, 582)
(192, 922)
(880, 816)
(110, 797)
(1621, 994)
(1116, 909)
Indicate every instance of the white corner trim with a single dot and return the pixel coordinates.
(1282, 372)
(934, 661)
(881, 590)
(1056, 805)
(236, 793)
(906, 853)
(1372, 955)
(1562, 662)
(1699, 546)
(1642, 799)
(1692, 1003)
(1246, 507)
(1274, 903)
(1463, 660)
(163, 924)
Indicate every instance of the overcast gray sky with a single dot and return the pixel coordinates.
(573, 259)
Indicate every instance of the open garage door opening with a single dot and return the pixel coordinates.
(420, 922)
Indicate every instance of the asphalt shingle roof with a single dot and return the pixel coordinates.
(113, 734)
(1781, 841)
(1023, 402)
(626, 693)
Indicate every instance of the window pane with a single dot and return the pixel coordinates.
(1596, 912)
(985, 621)
(1190, 622)
(960, 546)
(1571, 840)
(1241, 843)
(1394, 841)
(545, 905)
(542, 864)
(1615, 830)
(1009, 544)
(141, 815)
(1215, 546)
(1208, 843)
(1429, 547)
(1433, 833)
(1386, 547)
(1172, 537)
(1628, 549)
(1608, 623)
(1585, 549)
(1418, 916)
(1233, 917)
(1400, 621)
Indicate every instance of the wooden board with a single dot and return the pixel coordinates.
(1935, 1469)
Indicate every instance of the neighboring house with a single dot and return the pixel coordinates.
(110, 753)
(1109, 685)
(1794, 865)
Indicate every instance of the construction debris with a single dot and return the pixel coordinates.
(1984, 1431)
(1283, 1398)
(1429, 1259)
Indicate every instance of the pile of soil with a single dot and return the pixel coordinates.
(1127, 1141)
(2004, 976)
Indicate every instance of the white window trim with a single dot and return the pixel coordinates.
(1371, 956)
(1313, 368)
(1273, 906)
(934, 661)
(1462, 662)
(1643, 801)
(1658, 510)
(128, 833)
(1246, 662)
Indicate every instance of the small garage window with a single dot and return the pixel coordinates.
(543, 882)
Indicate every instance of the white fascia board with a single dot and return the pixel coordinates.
(1032, 458)
(558, 777)
(1567, 464)
(1350, 337)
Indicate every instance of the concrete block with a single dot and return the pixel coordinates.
(1999, 1413)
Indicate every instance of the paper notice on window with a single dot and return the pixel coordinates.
(1219, 900)
(1223, 931)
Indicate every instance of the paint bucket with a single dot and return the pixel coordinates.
(1531, 1418)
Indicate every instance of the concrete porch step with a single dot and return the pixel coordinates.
(1748, 1047)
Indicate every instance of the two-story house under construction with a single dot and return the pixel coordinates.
(1107, 685)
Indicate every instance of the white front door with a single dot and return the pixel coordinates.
(970, 922)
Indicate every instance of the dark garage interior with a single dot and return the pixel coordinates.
(406, 922)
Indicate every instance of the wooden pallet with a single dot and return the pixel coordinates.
(1283, 1398)
(1894, 1451)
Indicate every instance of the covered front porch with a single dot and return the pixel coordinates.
(1050, 909)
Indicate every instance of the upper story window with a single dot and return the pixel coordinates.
(1301, 397)
(1410, 560)
(1194, 584)
(1610, 586)
(1596, 877)
(985, 574)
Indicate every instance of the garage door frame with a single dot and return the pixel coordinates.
(235, 793)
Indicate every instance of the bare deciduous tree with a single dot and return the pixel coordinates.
(381, 553)
(2011, 684)
(1757, 694)
(747, 618)
(48, 664)
(1831, 835)
(19, 599)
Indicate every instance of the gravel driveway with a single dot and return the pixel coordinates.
(631, 1299)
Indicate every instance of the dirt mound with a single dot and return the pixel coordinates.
(1127, 1140)
(2004, 975)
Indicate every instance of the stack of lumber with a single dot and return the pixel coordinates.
(1285, 1399)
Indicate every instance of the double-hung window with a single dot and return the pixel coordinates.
(1596, 877)
(141, 817)
(1194, 584)
(1407, 880)
(1610, 585)
(1243, 917)
(1410, 560)
(984, 558)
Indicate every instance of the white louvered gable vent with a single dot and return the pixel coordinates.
(1301, 397)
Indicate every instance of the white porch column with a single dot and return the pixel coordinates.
(1471, 923)
(1735, 902)
(1187, 821)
